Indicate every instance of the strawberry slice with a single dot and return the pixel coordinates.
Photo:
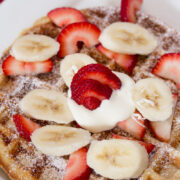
(24, 126)
(97, 72)
(65, 15)
(127, 62)
(168, 66)
(149, 147)
(91, 103)
(95, 91)
(162, 130)
(13, 67)
(108, 53)
(129, 9)
(77, 168)
(74, 33)
(134, 125)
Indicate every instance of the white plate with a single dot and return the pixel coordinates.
(16, 15)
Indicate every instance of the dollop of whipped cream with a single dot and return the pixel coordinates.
(118, 108)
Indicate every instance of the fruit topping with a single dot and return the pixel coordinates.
(91, 103)
(129, 9)
(162, 130)
(118, 108)
(99, 73)
(59, 140)
(127, 62)
(13, 67)
(34, 47)
(74, 33)
(77, 168)
(134, 125)
(149, 147)
(65, 15)
(71, 64)
(153, 99)
(24, 126)
(128, 38)
(117, 158)
(168, 67)
(90, 88)
(48, 105)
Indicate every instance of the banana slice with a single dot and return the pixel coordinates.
(117, 159)
(46, 105)
(31, 48)
(60, 140)
(72, 63)
(128, 38)
(153, 98)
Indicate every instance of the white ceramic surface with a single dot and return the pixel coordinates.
(16, 15)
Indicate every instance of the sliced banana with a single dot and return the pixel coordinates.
(117, 159)
(60, 140)
(46, 105)
(71, 64)
(153, 98)
(128, 38)
(31, 48)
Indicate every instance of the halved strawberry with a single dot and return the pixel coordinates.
(77, 168)
(168, 66)
(90, 88)
(162, 130)
(13, 67)
(77, 32)
(149, 147)
(97, 72)
(65, 15)
(129, 9)
(24, 126)
(127, 62)
(134, 125)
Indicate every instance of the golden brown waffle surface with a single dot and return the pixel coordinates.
(22, 161)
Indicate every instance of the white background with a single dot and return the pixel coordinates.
(16, 15)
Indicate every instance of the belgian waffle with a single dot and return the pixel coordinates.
(21, 160)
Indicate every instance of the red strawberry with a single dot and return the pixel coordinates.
(77, 168)
(24, 126)
(77, 32)
(65, 15)
(134, 125)
(127, 62)
(129, 9)
(162, 130)
(168, 66)
(97, 72)
(149, 147)
(90, 88)
(108, 53)
(178, 85)
(13, 67)
(91, 103)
